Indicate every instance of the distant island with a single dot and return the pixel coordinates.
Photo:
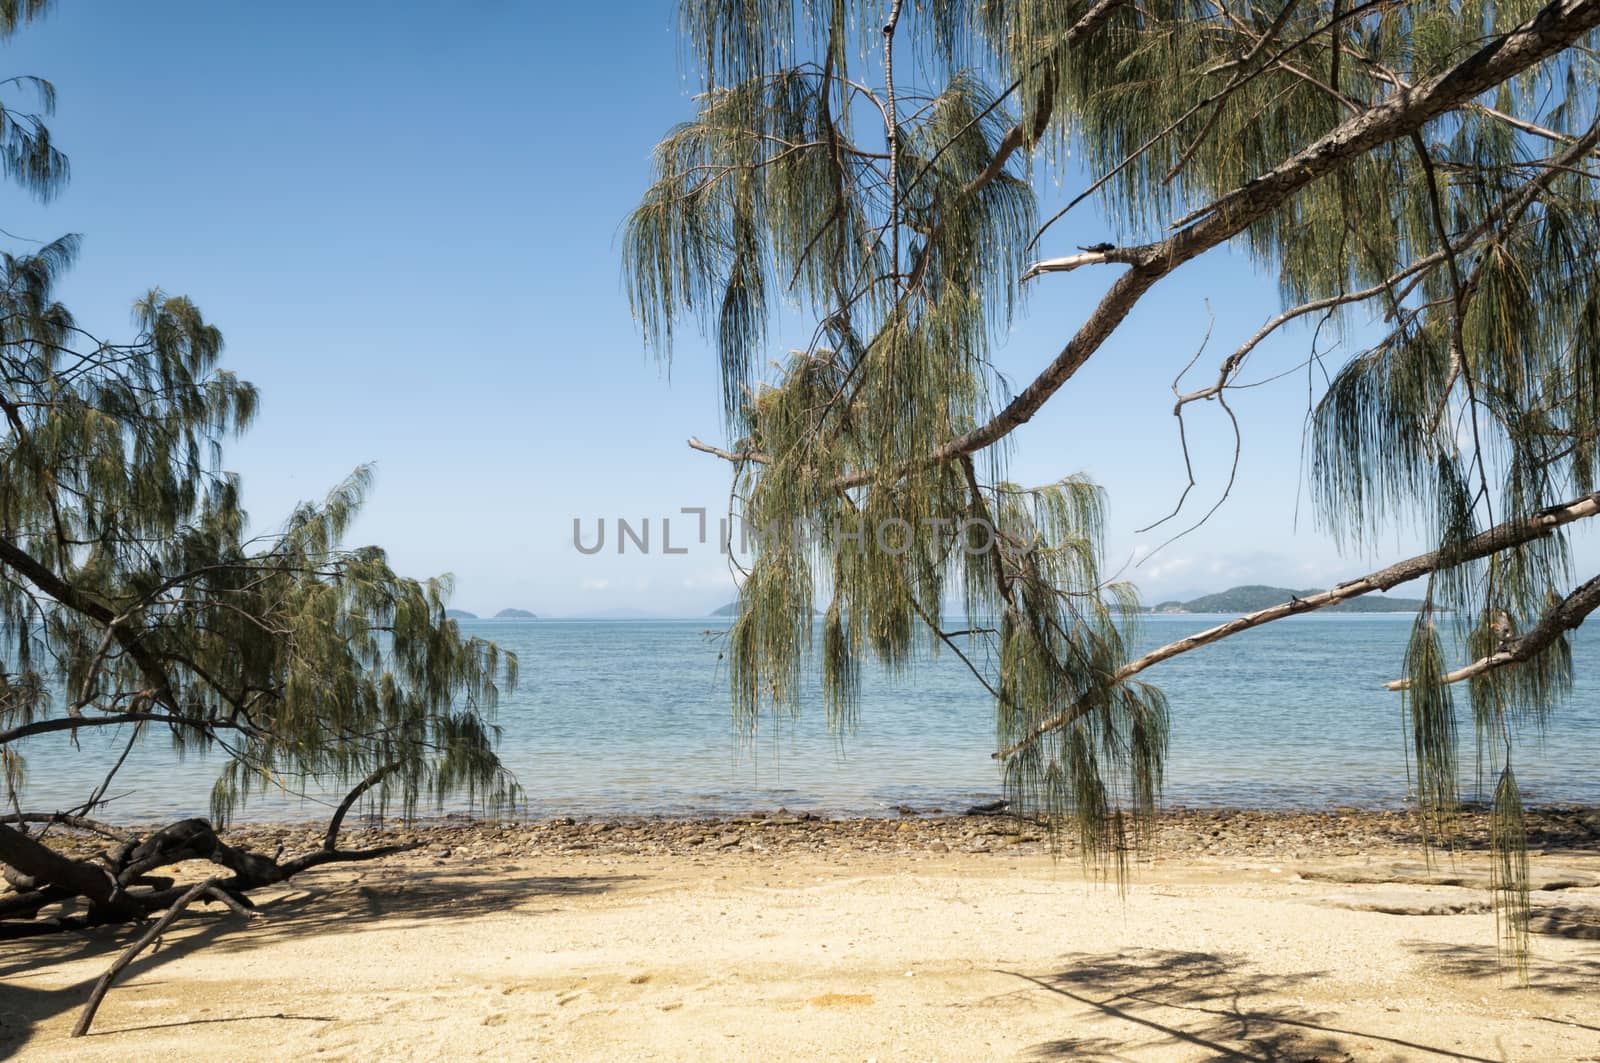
(1250, 598)
(514, 614)
(460, 614)
(1247, 599)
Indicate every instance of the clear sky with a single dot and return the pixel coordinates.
(405, 219)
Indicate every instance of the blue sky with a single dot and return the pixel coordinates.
(405, 220)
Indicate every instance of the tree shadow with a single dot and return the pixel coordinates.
(1568, 975)
(1555, 829)
(319, 904)
(1580, 921)
(1201, 1001)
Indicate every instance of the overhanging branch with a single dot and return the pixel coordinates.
(1501, 537)
(1547, 33)
(1568, 614)
(72, 723)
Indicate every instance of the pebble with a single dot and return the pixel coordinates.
(1273, 838)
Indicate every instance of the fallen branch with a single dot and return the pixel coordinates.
(119, 887)
(93, 826)
(26, 903)
(45, 866)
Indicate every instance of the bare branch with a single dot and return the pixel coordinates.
(1122, 256)
(1183, 433)
(728, 455)
(208, 888)
(1501, 537)
(1547, 33)
(1567, 614)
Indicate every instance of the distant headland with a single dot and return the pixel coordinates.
(1246, 599)
(515, 614)
(1249, 598)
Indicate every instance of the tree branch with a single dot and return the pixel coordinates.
(1501, 537)
(45, 865)
(93, 826)
(209, 888)
(47, 581)
(728, 455)
(1570, 612)
(72, 723)
(330, 840)
(1068, 263)
(1555, 27)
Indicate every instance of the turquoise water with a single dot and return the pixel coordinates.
(632, 717)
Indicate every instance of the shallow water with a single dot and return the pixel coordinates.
(633, 717)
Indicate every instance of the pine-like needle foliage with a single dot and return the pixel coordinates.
(131, 597)
(906, 241)
(1426, 164)
(26, 154)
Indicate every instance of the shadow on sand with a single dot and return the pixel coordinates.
(1209, 1005)
(320, 905)
(1566, 976)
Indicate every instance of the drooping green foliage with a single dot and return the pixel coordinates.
(133, 594)
(26, 153)
(875, 167)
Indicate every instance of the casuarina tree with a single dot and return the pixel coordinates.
(134, 598)
(1420, 176)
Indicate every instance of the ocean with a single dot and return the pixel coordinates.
(632, 717)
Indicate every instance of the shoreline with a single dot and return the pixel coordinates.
(275, 812)
(1236, 934)
(1178, 833)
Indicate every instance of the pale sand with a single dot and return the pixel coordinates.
(846, 955)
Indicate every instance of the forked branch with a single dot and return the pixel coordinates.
(209, 889)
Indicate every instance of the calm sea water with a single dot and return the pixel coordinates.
(633, 717)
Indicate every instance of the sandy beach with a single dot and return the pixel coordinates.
(1250, 936)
